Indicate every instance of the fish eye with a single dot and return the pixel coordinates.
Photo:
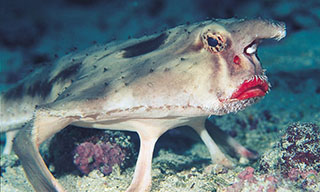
(214, 42)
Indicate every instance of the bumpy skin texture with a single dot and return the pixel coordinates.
(147, 85)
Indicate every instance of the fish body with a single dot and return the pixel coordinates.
(148, 85)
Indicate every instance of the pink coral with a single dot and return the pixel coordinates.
(247, 174)
(272, 179)
(102, 156)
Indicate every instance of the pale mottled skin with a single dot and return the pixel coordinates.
(148, 85)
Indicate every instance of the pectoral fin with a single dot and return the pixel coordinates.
(26, 146)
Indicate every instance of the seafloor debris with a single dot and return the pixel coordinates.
(296, 156)
(251, 181)
(300, 148)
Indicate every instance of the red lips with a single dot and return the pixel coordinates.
(251, 88)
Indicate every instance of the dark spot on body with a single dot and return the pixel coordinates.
(40, 88)
(43, 87)
(105, 69)
(145, 46)
(151, 70)
(182, 59)
(67, 73)
(106, 55)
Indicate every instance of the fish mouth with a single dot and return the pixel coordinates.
(257, 86)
